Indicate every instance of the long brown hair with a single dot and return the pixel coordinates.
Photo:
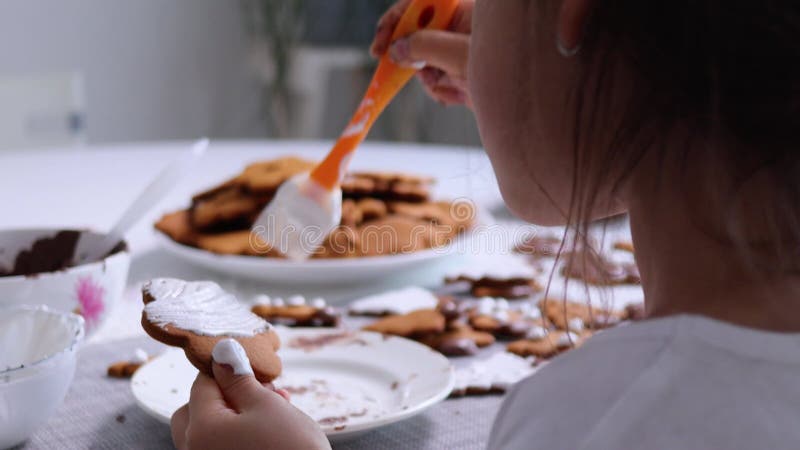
(725, 74)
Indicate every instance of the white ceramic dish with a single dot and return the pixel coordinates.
(314, 271)
(366, 380)
(90, 289)
(37, 357)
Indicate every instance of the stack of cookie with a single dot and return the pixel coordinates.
(382, 214)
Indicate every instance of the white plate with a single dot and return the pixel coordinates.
(314, 271)
(358, 383)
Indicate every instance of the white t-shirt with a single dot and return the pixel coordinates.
(684, 382)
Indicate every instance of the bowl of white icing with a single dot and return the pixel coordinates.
(37, 363)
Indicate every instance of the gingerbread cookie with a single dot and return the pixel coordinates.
(176, 225)
(343, 242)
(227, 208)
(387, 186)
(495, 316)
(393, 235)
(458, 340)
(197, 315)
(569, 315)
(494, 375)
(625, 246)
(126, 369)
(634, 312)
(412, 325)
(592, 268)
(398, 302)
(296, 311)
(538, 246)
(265, 177)
(544, 344)
(236, 203)
(514, 280)
(356, 212)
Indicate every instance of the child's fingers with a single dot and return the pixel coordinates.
(242, 392)
(178, 424)
(386, 26)
(444, 50)
(285, 394)
(450, 95)
(206, 397)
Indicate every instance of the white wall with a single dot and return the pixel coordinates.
(153, 69)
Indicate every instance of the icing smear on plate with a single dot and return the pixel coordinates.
(201, 307)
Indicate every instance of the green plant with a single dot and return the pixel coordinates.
(277, 25)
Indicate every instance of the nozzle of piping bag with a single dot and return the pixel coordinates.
(308, 207)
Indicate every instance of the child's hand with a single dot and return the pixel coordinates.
(444, 53)
(236, 411)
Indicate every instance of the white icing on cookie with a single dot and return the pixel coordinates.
(507, 269)
(277, 301)
(231, 352)
(536, 333)
(500, 371)
(200, 307)
(501, 315)
(402, 301)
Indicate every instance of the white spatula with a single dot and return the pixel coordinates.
(88, 250)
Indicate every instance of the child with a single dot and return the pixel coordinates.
(684, 114)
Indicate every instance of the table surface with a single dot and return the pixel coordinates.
(91, 187)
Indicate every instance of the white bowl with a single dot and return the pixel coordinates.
(37, 361)
(90, 290)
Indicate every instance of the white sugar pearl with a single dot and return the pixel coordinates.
(486, 302)
(533, 313)
(319, 303)
(485, 309)
(501, 315)
(568, 339)
(296, 300)
(536, 333)
(575, 324)
(277, 301)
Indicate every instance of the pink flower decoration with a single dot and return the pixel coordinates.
(90, 298)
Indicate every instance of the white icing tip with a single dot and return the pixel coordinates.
(319, 303)
(296, 300)
(501, 303)
(140, 356)
(230, 351)
(277, 301)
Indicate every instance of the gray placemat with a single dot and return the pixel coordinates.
(100, 413)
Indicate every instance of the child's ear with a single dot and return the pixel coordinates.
(572, 20)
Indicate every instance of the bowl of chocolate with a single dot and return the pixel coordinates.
(37, 268)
